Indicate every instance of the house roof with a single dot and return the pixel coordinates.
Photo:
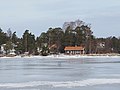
(53, 46)
(74, 48)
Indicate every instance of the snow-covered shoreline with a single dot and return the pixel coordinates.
(62, 56)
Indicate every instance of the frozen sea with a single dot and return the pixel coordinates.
(56, 73)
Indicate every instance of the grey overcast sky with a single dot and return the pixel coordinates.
(39, 15)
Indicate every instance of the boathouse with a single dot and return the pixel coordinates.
(73, 50)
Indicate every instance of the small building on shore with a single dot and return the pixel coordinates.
(2, 50)
(11, 53)
(74, 50)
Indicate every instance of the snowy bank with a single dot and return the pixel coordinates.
(62, 56)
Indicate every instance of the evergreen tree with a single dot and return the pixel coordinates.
(69, 37)
(14, 38)
(55, 37)
(28, 42)
(3, 37)
(80, 36)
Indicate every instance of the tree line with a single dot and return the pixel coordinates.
(54, 40)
